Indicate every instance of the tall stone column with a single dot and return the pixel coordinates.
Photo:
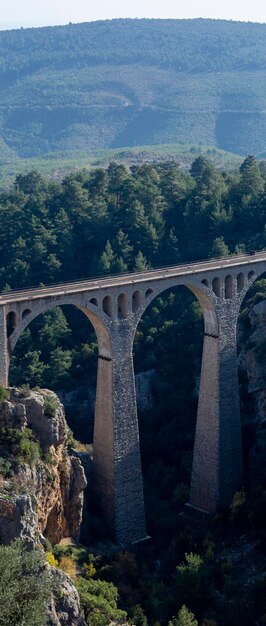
(4, 356)
(217, 461)
(117, 472)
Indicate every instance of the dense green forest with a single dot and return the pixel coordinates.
(112, 221)
(132, 82)
(117, 220)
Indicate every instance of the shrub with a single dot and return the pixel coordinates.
(19, 446)
(184, 618)
(51, 559)
(24, 391)
(5, 467)
(138, 617)
(191, 585)
(99, 601)
(24, 586)
(67, 564)
(30, 450)
(237, 503)
(88, 570)
(50, 406)
(4, 394)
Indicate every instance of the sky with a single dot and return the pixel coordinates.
(27, 13)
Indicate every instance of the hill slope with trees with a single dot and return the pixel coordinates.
(122, 82)
(116, 220)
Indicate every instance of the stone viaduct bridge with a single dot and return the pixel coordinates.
(115, 306)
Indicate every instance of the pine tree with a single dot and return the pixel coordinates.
(219, 248)
(184, 618)
(251, 181)
(122, 246)
(106, 260)
(141, 263)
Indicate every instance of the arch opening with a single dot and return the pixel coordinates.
(205, 282)
(240, 282)
(107, 306)
(228, 287)
(216, 286)
(136, 301)
(122, 308)
(11, 322)
(251, 275)
(148, 293)
(58, 350)
(94, 301)
(169, 337)
(25, 313)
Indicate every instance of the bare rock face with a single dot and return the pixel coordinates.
(64, 607)
(18, 518)
(44, 498)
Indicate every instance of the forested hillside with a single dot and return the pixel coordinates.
(132, 82)
(112, 221)
(116, 220)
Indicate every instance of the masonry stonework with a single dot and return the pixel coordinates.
(115, 306)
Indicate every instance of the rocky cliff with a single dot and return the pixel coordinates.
(64, 606)
(41, 485)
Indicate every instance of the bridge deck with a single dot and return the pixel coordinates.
(121, 280)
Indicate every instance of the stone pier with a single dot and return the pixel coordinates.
(115, 306)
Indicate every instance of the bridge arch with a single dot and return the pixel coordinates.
(217, 466)
(27, 314)
(203, 296)
(178, 419)
(247, 283)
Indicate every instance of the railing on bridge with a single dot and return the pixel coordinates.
(95, 279)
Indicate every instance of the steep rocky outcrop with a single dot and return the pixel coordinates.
(43, 496)
(64, 606)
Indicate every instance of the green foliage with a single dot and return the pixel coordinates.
(99, 602)
(5, 465)
(237, 503)
(149, 216)
(24, 586)
(118, 219)
(24, 391)
(19, 445)
(50, 405)
(4, 394)
(184, 618)
(192, 564)
(74, 69)
(191, 585)
(219, 248)
(137, 616)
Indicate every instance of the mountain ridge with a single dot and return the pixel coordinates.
(130, 82)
